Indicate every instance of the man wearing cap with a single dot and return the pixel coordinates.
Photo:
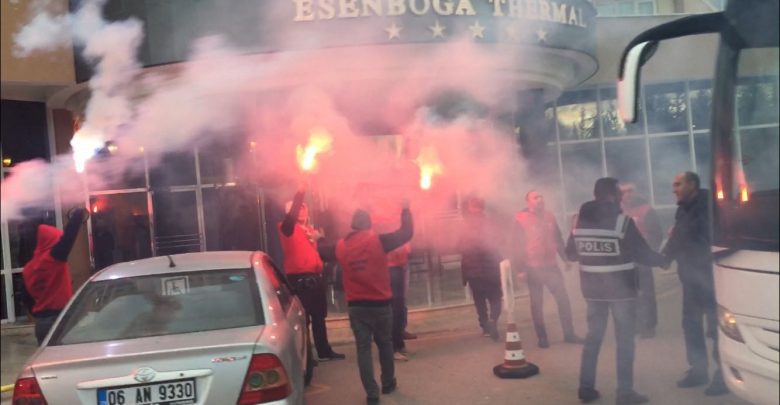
(303, 267)
(362, 256)
(607, 244)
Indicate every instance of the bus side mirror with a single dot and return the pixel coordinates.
(629, 78)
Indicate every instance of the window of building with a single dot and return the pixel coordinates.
(176, 228)
(610, 119)
(23, 131)
(582, 166)
(577, 113)
(669, 155)
(624, 8)
(667, 108)
(701, 146)
(173, 169)
(757, 100)
(627, 162)
(701, 104)
(759, 157)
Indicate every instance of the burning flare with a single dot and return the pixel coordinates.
(85, 144)
(428, 161)
(320, 142)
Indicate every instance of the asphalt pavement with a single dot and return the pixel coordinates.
(451, 363)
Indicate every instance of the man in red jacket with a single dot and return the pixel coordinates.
(47, 277)
(362, 256)
(539, 242)
(303, 267)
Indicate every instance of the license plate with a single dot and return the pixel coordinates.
(179, 392)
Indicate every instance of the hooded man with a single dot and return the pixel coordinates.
(303, 267)
(362, 256)
(47, 276)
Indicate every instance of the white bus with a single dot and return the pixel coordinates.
(744, 183)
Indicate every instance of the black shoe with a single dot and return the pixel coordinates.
(543, 343)
(390, 388)
(631, 398)
(715, 389)
(693, 379)
(588, 395)
(647, 334)
(493, 331)
(333, 356)
(372, 401)
(409, 336)
(718, 386)
(574, 339)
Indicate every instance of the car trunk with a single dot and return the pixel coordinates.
(215, 361)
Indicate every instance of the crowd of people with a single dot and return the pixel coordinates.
(615, 240)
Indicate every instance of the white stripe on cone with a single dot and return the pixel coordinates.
(512, 337)
(514, 355)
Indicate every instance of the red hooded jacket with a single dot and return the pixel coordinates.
(47, 279)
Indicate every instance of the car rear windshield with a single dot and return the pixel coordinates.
(166, 304)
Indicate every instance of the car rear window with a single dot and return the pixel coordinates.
(157, 305)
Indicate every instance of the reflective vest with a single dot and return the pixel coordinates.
(364, 262)
(607, 272)
(300, 252)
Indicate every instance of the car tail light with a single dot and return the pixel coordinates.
(27, 392)
(265, 381)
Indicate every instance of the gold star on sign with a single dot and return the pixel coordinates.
(541, 35)
(393, 31)
(437, 29)
(477, 31)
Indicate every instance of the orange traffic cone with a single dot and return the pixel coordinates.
(514, 365)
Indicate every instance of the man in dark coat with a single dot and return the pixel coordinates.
(689, 244)
(480, 265)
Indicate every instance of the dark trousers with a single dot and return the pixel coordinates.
(373, 323)
(486, 292)
(699, 303)
(646, 307)
(398, 277)
(43, 324)
(623, 313)
(312, 292)
(553, 279)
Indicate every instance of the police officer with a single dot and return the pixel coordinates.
(303, 267)
(607, 243)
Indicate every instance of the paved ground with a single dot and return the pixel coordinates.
(456, 368)
(452, 364)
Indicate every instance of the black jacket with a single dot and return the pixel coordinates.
(479, 250)
(690, 242)
(613, 285)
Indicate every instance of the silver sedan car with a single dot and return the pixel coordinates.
(196, 328)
